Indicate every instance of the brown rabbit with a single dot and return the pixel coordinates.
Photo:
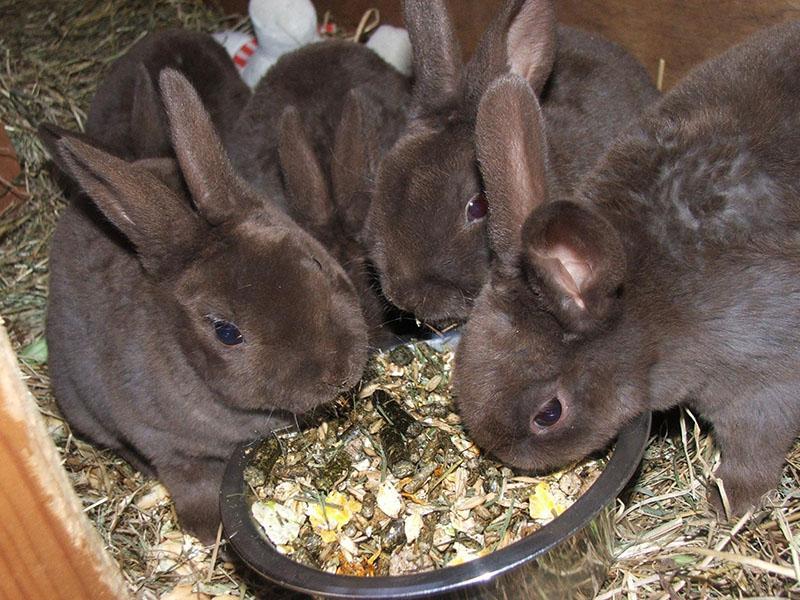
(673, 276)
(126, 111)
(319, 123)
(426, 225)
(179, 329)
(334, 211)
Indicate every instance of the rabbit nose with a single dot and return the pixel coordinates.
(434, 299)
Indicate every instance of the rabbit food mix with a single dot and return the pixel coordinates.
(392, 484)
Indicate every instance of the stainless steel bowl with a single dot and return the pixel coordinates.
(568, 558)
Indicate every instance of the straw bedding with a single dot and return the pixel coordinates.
(52, 55)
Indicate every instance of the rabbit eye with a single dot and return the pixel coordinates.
(228, 333)
(549, 414)
(477, 207)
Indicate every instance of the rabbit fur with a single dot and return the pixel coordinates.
(316, 80)
(133, 125)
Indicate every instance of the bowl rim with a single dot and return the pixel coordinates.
(260, 555)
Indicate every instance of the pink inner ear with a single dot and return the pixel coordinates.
(579, 270)
(568, 271)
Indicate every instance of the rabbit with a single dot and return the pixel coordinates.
(671, 276)
(333, 210)
(426, 226)
(196, 323)
(313, 134)
(126, 111)
(316, 80)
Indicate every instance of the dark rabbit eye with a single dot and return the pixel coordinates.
(549, 415)
(477, 207)
(228, 333)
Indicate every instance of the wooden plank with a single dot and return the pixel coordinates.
(10, 194)
(681, 32)
(48, 548)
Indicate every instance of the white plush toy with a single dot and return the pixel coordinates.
(281, 26)
(393, 45)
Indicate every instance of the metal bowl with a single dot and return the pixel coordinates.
(567, 558)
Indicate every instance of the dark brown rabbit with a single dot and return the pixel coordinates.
(201, 322)
(426, 227)
(316, 80)
(126, 111)
(672, 276)
(333, 211)
(313, 135)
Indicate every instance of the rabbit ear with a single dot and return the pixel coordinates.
(145, 210)
(51, 135)
(149, 128)
(166, 170)
(436, 53)
(355, 158)
(511, 150)
(309, 197)
(217, 192)
(521, 40)
(579, 256)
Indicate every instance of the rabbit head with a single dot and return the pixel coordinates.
(264, 315)
(527, 381)
(426, 226)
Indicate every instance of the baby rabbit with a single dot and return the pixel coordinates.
(673, 276)
(179, 327)
(313, 134)
(333, 210)
(133, 125)
(316, 80)
(426, 227)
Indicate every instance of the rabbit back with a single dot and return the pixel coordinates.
(595, 91)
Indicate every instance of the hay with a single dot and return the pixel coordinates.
(52, 55)
(671, 546)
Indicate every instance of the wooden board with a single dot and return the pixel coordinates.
(48, 548)
(10, 194)
(682, 32)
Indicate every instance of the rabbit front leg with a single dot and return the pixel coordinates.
(194, 486)
(753, 433)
